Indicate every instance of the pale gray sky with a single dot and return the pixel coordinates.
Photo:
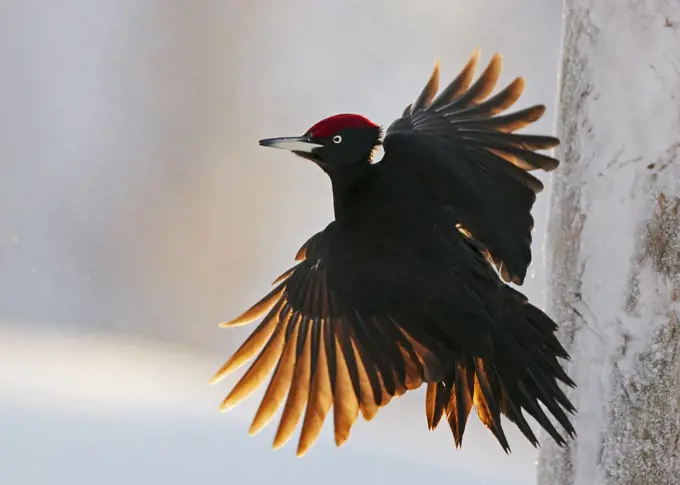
(136, 208)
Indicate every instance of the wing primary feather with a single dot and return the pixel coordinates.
(342, 331)
(285, 274)
(492, 106)
(301, 255)
(345, 397)
(413, 368)
(252, 344)
(481, 89)
(302, 334)
(432, 367)
(258, 309)
(280, 381)
(385, 396)
(371, 392)
(299, 390)
(459, 84)
(512, 140)
(258, 371)
(315, 343)
(372, 358)
(506, 123)
(524, 159)
(320, 396)
(323, 310)
(370, 385)
(329, 338)
(429, 91)
(385, 339)
(511, 169)
(342, 334)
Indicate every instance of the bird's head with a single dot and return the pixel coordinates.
(334, 143)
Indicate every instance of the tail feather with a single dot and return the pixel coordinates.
(437, 398)
(523, 375)
(462, 394)
(486, 402)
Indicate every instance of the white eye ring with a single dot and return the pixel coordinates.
(337, 139)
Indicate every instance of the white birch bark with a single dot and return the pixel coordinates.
(613, 248)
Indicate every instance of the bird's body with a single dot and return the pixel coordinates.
(400, 289)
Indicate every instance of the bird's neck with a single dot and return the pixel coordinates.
(348, 186)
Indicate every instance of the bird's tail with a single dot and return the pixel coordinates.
(523, 373)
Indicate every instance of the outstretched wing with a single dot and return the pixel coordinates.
(327, 348)
(471, 162)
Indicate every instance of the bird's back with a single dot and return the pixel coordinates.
(393, 250)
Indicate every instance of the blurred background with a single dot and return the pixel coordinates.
(137, 211)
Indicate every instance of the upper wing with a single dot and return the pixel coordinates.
(328, 347)
(472, 163)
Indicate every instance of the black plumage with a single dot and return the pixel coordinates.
(402, 287)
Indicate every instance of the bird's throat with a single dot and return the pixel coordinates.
(348, 185)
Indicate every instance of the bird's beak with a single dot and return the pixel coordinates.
(293, 143)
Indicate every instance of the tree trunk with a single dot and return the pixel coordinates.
(614, 242)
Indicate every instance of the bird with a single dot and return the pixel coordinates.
(409, 284)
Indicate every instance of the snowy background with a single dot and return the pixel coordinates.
(137, 211)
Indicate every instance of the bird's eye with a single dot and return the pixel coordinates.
(337, 139)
